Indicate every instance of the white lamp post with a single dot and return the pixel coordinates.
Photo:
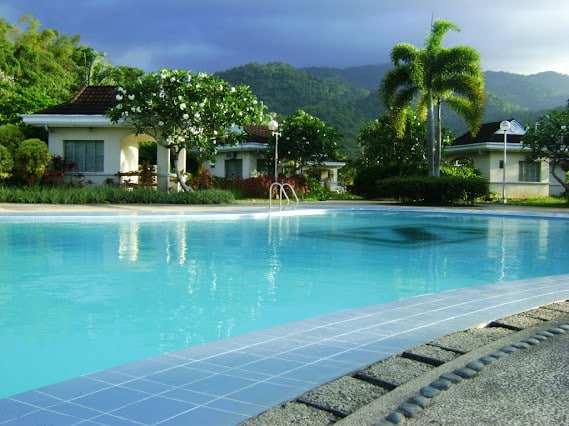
(505, 127)
(273, 126)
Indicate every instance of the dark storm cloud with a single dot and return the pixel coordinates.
(518, 36)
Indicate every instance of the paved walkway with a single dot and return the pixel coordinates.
(522, 379)
(528, 387)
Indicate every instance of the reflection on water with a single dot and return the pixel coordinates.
(128, 241)
(142, 287)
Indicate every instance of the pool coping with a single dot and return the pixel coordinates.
(231, 380)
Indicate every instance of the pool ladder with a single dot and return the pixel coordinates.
(281, 193)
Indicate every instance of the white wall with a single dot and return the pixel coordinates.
(488, 162)
(249, 165)
(120, 149)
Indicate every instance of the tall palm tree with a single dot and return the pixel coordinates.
(430, 76)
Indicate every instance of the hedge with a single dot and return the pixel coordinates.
(444, 190)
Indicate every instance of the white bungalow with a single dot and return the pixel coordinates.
(79, 132)
(487, 152)
(250, 158)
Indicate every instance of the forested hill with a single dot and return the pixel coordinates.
(346, 98)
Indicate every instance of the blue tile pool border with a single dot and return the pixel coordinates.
(227, 381)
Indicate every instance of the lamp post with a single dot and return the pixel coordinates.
(273, 126)
(505, 127)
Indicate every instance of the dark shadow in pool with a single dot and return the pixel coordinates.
(403, 236)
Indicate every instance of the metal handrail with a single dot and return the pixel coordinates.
(282, 194)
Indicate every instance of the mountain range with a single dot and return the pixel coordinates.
(346, 98)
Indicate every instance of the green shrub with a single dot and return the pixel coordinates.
(211, 196)
(11, 135)
(365, 181)
(463, 171)
(445, 190)
(32, 158)
(147, 152)
(6, 162)
(105, 195)
(317, 190)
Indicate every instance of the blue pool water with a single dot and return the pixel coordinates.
(84, 293)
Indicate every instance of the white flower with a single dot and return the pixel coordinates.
(118, 97)
(233, 90)
(197, 115)
(131, 97)
(160, 123)
(119, 106)
(185, 116)
(182, 106)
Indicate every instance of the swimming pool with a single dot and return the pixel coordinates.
(81, 293)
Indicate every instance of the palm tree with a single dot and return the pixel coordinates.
(430, 76)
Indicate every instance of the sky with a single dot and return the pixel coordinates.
(518, 36)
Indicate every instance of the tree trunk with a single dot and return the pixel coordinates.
(179, 176)
(563, 183)
(439, 141)
(430, 133)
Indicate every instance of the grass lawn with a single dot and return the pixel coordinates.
(557, 202)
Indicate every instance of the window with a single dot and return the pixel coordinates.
(529, 171)
(88, 155)
(233, 169)
(262, 165)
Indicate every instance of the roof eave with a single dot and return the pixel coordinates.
(484, 146)
(245, 146)
(68, 120)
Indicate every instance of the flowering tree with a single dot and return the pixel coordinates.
(398, 155)
(185, 110)
(549, 139)
(307, 139)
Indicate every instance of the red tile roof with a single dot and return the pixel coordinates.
(257, 133)
(90, 100)
(96, 100)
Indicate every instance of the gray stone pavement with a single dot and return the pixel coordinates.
(529, 386)
(512, 371)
